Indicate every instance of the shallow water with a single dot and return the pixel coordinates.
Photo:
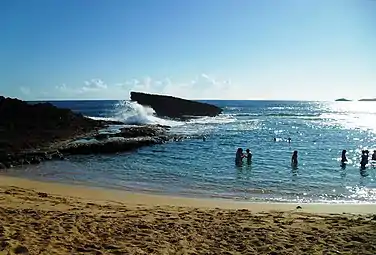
(319, 131)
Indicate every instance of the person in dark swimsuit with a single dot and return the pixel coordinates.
(344, 158)
(294, 158)
(364, 160)
(239, 157)
(248, 155)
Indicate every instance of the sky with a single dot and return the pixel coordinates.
(211, 49)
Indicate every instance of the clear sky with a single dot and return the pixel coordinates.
(197, 49)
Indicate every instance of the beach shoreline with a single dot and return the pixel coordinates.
(52, 218)
(136, 198)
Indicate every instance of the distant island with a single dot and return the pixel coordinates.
(360, 100)
(342, 100)
(368, 100)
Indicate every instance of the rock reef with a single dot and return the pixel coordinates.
(173, 107)
(128, 139)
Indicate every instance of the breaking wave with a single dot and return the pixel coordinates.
(132, 113)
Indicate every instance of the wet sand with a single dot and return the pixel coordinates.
(50, 218)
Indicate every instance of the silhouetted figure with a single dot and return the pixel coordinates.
(239, 157)
(294, 159)
(344, 158)
(248, 155)
(203, 138)
(274, 139)
(364, 160)
(374, 155)
(289, 139)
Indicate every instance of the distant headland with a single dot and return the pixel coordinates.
(342, 100)
(360, 100)
(368, 100)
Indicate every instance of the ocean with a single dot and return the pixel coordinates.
(197, 168)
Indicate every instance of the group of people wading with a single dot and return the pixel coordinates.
(294, 159)
(240, 155)
(248, 155)
(364, 159)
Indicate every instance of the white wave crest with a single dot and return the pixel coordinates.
(220, 119)
(102, 118)
(132, 113)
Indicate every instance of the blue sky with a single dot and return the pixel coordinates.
(211, 49)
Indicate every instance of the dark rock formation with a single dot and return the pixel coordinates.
(131, 132)
(173, 107)
(28, 130)
(109, 145)
(28, 126)
(128, 139)
(9, 160)
(33, 133)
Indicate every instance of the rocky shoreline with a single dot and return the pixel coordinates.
(33, 133)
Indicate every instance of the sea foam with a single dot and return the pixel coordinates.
(132, 113)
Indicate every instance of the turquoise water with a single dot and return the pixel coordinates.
(319, 131)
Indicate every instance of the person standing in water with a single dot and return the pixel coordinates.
(364, 160)
(239, 157)
(343, 159)
(248, 155)
(374, 155)
(294, 159)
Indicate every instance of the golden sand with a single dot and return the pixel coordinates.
(48, 218)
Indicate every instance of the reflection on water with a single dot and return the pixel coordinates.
(343, 166)
(363, 172)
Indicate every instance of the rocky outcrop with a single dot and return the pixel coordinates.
(132, 132)
(128, 139)
(173, 107)
(109, 146)
(26, 126)
(32, 133)
(27, 131)
(8, 160)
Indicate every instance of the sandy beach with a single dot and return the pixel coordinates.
(50, 218)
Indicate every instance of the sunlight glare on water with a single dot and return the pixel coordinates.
(351, 115)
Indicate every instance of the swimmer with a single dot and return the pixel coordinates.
(248, 155)
(294, 158)
(239, 157)
(289, 139)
